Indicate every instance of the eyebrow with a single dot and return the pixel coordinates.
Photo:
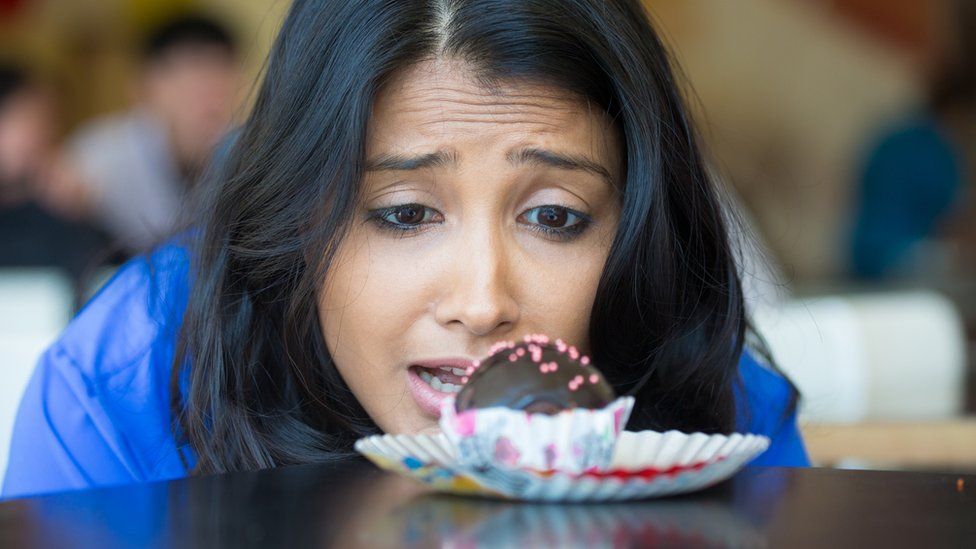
(403, 162)
(562, 161)
(524, 155)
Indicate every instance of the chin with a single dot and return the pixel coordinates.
(419, 426)
(431, 429)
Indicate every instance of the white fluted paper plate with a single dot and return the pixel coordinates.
(645, 464)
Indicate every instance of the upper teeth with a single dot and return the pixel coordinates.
(439, 385)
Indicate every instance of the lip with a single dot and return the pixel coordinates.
(428, 399)
(462, 363)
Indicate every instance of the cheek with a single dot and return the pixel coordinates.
(344, 302)
(370, 295)
(560, 293)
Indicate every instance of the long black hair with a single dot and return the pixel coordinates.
(254, 384)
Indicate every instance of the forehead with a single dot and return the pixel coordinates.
(440, 99)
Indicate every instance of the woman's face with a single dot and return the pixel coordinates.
(487, 215)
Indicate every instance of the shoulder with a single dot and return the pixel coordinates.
(142, 304)
(915, 128)
(763, 397)
(766, 404)
(96, 411)
(915, 137)
(103, 131)
(125, 140)
(122, 343)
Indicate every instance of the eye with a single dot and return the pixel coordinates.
(404, 217)
(555, 221)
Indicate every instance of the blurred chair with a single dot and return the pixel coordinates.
(882, 376)
(35, 305)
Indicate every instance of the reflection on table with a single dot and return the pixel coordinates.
(353, 504)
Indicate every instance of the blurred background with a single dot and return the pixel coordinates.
(844, 132)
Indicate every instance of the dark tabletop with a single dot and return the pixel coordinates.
(353, 504)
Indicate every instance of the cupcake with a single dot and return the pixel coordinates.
(536, 405)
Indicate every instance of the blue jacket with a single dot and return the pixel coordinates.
(96, 410)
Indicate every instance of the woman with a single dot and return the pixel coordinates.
(418, 179)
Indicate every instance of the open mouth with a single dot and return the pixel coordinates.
(444, 379)
(433, 384)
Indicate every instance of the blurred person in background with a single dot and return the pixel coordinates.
(38, 225)
(914, 208)
(131, 171)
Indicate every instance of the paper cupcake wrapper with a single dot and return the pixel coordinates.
(645, 464)
(571, 441)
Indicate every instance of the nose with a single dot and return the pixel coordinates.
(477, 291)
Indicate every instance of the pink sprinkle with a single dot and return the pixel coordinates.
(578, 379)
(469, 370)
(537, 355)
(464, 379)
(573, 353)
(584, 360)
(560, 346)
(512, 357)
(476, 363)
(573, 386)
(520, 351)
(527, 338)
(465, 423)
(553, 366)
(544, 368)
(594, 378)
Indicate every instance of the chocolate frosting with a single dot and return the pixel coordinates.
(537, 377)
